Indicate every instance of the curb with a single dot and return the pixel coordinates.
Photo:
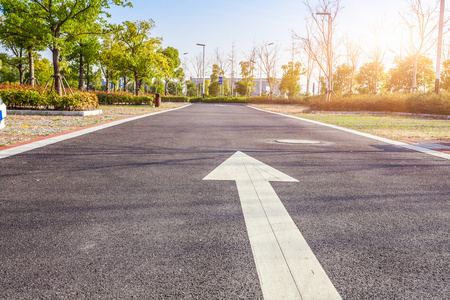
(55, 112)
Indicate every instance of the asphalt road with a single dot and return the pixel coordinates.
(123, 212)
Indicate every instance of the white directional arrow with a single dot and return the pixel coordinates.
(287, 268)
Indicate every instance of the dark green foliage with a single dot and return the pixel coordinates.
(174, 99)
(124, 98)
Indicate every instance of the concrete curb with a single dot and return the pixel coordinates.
(55, 112)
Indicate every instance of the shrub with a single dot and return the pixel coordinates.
(169, 98)
(26, 97)
(219, 100)
(265, 100)
(408, 103)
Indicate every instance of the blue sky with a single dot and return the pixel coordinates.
(183, 24)
(218, 24)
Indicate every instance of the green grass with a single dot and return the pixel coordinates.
(389, 126)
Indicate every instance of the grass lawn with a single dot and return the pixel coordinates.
(396, 127)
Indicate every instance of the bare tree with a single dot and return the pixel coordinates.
(220, 60)
(197, 64)
(309, 64)
(318, 43)
(422, 23)
(268, 58)
(353, 54)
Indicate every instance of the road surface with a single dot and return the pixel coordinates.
(124, 212)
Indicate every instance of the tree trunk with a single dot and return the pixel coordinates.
(125, 82)
(166, 82)
(107, 81)
(414, 80)
(20, 68)
(31, 62)
(81, 74)
(88, 81)
(351, 81)
(136, 84)
(57, 71)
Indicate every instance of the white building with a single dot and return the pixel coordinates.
(261, 86)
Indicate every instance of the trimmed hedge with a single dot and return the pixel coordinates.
(174, 98)
(131, 99)
(219, 100)
(265, 100)
(26, 97)
(124, 98)
(432, 103)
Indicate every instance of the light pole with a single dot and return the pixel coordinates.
(438, 60)
(328, 43)
(185, 67)
(203, 85)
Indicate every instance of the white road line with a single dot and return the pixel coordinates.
(42, 143)
(287, 268)
(374, 137)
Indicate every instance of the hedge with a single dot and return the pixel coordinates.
(174, 98)
(124, 98)
(409, 103)
(131, 99)
(26, 97)
(219, 100)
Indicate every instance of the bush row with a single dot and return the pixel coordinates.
(219, 100)
(174, 98)
(408, 103)
(25, 97)
(124, 98)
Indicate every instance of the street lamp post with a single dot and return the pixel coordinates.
(203, 85)
(328, 83)
(185, 67)
(438, 60)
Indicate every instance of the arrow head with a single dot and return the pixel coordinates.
(241, 162)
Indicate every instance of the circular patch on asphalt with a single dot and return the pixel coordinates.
(289, 141)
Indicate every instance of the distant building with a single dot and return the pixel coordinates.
(261, 85)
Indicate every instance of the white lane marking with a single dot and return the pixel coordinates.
(49, 141)
(374, 137)
(287, 267)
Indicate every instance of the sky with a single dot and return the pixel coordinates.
(219, 24)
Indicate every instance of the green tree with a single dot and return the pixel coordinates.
(192, 90)
(215, 88)
(342, 79)
(17, 61)
(401, 76)
(8, 73)
(172, 69)
(84, 55)
(42, 69)
(139, 52)
(247, 69)
(54, 23)
(366, 77)
(445, 75)
(290, 81)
